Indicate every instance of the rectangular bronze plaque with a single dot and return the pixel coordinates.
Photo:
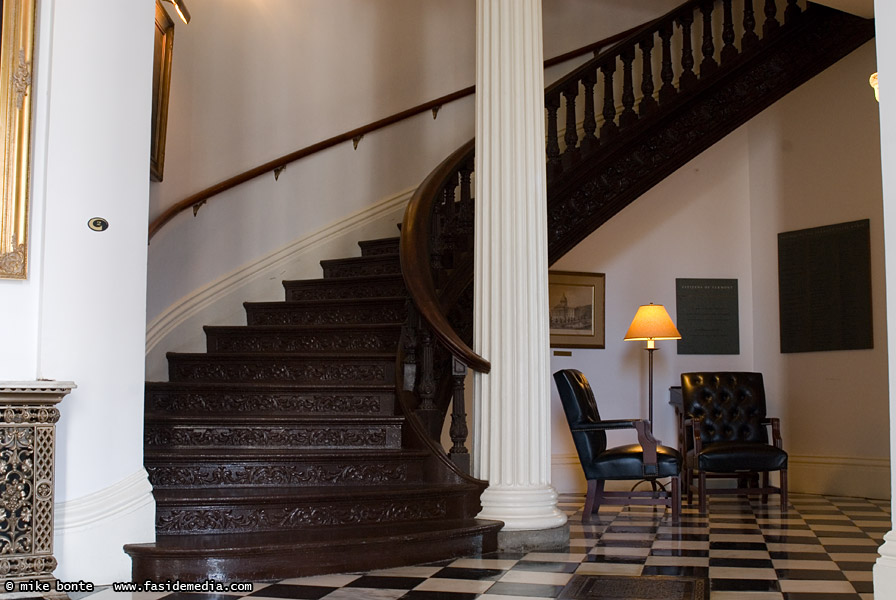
(707, 316)
(824, 288)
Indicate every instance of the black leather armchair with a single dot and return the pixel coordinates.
(645, 460)
(725, 434)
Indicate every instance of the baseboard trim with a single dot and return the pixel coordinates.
(131, 494)
(863, 477)
(188, 306)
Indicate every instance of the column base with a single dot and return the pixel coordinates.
(534, 540)
(522, 508)
(885, 568)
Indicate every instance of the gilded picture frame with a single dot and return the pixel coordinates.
(576, 305)
(16, 67)
(161, 84)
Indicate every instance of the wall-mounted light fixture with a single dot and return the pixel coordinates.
(182, 10)
(873, 82)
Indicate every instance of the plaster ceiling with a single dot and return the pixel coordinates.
(863, 8)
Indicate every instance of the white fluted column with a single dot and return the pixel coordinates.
(511, 413)
(885, 20)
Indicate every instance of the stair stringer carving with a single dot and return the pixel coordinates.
(589, 195)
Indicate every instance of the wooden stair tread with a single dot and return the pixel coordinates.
(300, 494)
(266, 542)
(327, 302)
(243, 356)
(239, 454)
(343, 280)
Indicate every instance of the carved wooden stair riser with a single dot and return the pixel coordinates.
(183, 469)
(383, 433)
(279, 509)
(380, 246)
(372, 286)
(236, 399)
(328, 312)
(383, 264)
(283, 367)
(332, 338)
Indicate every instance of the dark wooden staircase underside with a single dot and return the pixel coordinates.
(290, 447)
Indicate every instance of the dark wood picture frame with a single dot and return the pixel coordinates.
(576, 305)
(161, 84)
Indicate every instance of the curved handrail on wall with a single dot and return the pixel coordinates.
(201, 197)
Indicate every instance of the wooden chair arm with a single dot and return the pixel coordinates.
(775, 422)
(648, 448)
(605, 425)
(694, 424)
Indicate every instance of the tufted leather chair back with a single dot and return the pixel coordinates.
(581, 409)
(732, 405)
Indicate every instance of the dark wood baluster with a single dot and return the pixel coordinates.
(458, 431)
(749, 38)
(771, 24)
(628, 115)
(465, 226)
(648, 102)
(427, 411)
(552, 103)
(450, 232)
(687, 79)
(589, 140)
(435, 255)
(409, 344)
(571, 137)
(729, 50)
(667, 90)
(792, 11)
(709, 64)
(609, 128)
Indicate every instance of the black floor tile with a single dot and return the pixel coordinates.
(427, 595)
(280, 590)
(744, 563)
(546, 567)
(744, 585)
(737, 546)
(524, 589)
(386, 582)
(464, 573)
(820, 555)
(675, 571)
(678, 552)
(810, 574)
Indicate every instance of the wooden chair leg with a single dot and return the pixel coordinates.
(783, 490)
(765, 483)
(688, 482)
(589, 500)
(675, 484)
(701, 491)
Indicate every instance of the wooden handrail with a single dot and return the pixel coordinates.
(201, 197)
(415, 236)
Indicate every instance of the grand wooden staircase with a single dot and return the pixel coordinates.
(306, 441)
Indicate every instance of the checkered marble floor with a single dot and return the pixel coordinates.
(823, 548)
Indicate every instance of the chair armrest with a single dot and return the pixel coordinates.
(694, 424)
(605, 425)
(648, 448)
(775, 422)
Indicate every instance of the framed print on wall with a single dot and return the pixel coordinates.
(576, 302)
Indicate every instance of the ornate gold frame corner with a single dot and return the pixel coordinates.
(161, 84)
(16, 67)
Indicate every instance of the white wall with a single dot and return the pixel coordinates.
(254, 82)
(811, 159)
(816, 163)
(81, 314)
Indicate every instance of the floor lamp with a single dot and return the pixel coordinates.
(651, 323)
